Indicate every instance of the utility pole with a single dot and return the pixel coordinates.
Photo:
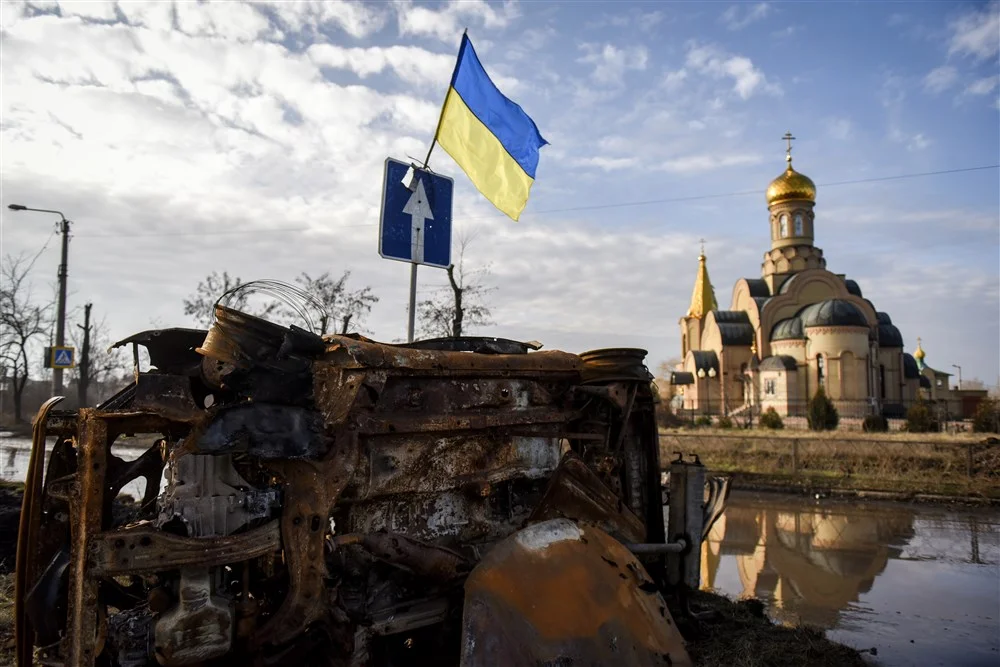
(57, 373)
(83, 383)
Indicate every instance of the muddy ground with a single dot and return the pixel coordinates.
(738, 635)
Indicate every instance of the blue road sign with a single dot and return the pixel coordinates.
(415, 225)
(62, 357)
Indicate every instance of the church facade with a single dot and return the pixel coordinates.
(797, 327)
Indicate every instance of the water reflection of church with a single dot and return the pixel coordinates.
(809, 565)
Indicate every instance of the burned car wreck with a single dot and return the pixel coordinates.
(336, 501)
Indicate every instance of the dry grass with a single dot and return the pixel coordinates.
(824, 461)
(6, 619)
(838, 434)
(742, 636)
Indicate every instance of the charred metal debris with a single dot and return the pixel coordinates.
(337, 501)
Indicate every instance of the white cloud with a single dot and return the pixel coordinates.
(977, 33)
(983, 86)
(355, 18)
(839, 128)
(412, 64)
(610, 62)
(607, 163)
(918, 142)
(228, 20)
(446, 24)
(707, 162)
(940, 79)
(713, 61)
(674, 80)
(738, 17)
(786, 32)
(102, 11)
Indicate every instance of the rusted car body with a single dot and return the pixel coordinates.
(338, 501)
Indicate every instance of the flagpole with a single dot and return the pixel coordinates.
(451, 84)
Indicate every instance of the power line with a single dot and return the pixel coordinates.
(755, 191)
(591, 207)
(200, 233)
(39, 253)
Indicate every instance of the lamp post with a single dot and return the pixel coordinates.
(959, 375)
(57, 373)
(708, 387)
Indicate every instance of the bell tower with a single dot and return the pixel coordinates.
(791, 198)
(702, 303)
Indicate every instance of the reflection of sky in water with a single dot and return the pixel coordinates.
(14, 454)
(872, 574)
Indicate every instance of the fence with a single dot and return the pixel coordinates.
(851, 413)
(886, 464)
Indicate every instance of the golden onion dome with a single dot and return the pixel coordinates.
(919, 354)
(791, 185)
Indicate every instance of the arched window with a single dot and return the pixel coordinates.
(798, 223)
(820, 374)
(881, 379)
(783, 225)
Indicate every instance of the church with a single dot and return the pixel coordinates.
(796, 328)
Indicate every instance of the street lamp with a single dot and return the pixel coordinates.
(708, 387)
(57, 373)
(959, 375)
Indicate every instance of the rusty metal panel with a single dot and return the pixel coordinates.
(576, 492)
(145, 550)
(562, 593)
(406, 464)
(82, 645)
(351, 353)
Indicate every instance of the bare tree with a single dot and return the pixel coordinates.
(451, 315)
(21, 321)
(104, 365)
(341, 307)
(201, 304)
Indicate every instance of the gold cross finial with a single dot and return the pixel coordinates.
(702, 247)
(788, 151)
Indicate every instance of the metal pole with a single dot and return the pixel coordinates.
(57, 376)
(413, 302)
(57, 373)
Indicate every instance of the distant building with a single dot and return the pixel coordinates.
(796, 328)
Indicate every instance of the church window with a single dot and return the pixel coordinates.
(798, 223)
(820, 376)
(783, 225)
(769, 387)
(881, 379)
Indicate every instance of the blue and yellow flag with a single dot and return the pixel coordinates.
(491, 138)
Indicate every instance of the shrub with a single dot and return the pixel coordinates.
(919, 419)
(771, 419)
(665, 417)
(725, 422)
(822, 414)
(875, 424)
(703, 420)
(987, 417)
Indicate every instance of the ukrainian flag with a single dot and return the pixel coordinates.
(491, 138)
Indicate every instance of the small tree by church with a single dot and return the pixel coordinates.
(822, 413)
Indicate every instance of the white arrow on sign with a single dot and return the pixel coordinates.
(419, 209)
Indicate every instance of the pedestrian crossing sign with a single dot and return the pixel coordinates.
(63, 357)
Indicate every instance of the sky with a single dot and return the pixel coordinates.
(185, 138)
